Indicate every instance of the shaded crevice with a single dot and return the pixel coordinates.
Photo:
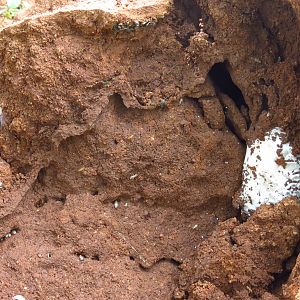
(264, 103)
(41, 202)
(287, 266)
(61, 198)
(147, 268)
(185, 20)
(95, 257)
(222, 80)
(171, 261)
(279, 55)
(224, 84)
(232, 240)
(233, 129)
(41, 176)
(191, 10)
(118, 104)
(196, 103)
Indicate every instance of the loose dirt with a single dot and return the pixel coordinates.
(122, 139)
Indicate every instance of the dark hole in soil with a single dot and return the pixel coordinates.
(287, 267)
(23, 170)
(96, 257)
(191, 9)
(41, 176)
(187, 13)
(232, 241)
(264, 103)
(196, 103)
(94, 192)
(117, 101)
(223, 82)
(61, 198)
(41, 202)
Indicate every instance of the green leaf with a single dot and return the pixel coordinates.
(13, 3)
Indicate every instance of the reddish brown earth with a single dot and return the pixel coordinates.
(122, 150)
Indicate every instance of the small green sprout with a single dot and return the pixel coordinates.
(11, 9)
(106, 82)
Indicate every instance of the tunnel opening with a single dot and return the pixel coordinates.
(222, 80)
(191, 11)
(223, 83)
(185, 20)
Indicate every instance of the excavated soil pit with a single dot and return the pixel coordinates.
(124, 127)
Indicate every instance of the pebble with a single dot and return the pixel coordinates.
(116, 204)
(81, 257)
(18, 297)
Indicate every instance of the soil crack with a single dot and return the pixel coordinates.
(224, 84)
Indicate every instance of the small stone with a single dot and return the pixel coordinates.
(18, 297)
(116, 204)
(81, 257)
(195, 226)
(13, 232)
(8, 235)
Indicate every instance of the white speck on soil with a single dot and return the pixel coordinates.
(81, 257)
(18, 297)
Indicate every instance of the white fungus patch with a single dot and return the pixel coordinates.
(271, 172)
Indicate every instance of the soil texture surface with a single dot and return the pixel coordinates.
(124, 127)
